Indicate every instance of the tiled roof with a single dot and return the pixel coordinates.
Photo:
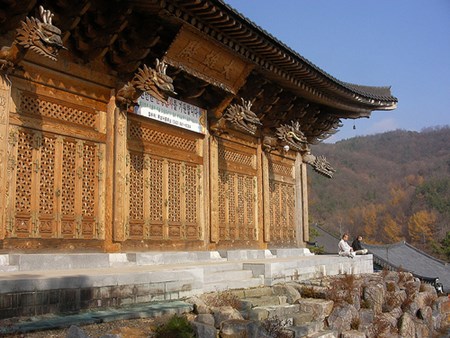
(372, 92)
(231, 28)
(404, 256)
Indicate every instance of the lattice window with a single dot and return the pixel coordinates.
(282, 213)
(237, 206)
(156, 189)
(240, 201)
(231, 201)
(249, 197)
(47, 176)
(191, 186)
(45, 107)
(68, 178)
(89, 179)
(136, 186)
(24, 171)
(172, 189)
(141, 133)
(275, 211)
(174, 192)
(227, 155)
(282, 169)
(223, 183)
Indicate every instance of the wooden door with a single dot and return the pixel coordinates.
(56, 185)
(164, 183)
(237, 190)
(281, 200)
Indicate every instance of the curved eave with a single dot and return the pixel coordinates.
(220, 21)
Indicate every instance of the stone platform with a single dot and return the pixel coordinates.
(37, 284)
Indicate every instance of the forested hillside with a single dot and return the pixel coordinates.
(388, 187)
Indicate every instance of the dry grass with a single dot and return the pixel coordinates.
(275, 327)
(342, 289)
(223, 298)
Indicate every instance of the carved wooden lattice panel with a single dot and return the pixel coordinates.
(50, 107)
(283, 230)
(47, 203)
(68, 192)
(22, 225)
(237, 219)
(137, 194)
(89, 190)
(237, 190)
(55, 186)
(164, 198)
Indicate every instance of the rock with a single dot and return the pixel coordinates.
(292, 294)
(258, 314)
(319, 308)
(75, 332)
(412, 287)
(396, 313)
(393, 300)
(374, 296)
(426, 314)
(392, 286)
(429, 289)
(203, 330)
(352, 334)
(306, 329)
(366, 317)
(422, 330)
(205, 318)
(392, 276)
(342, 317)
(236, 328)
(199, 305)
(406, 326)
(302, 318)
(224, 313)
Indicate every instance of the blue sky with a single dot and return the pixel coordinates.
(400, 43)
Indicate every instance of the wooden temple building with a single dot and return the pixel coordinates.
(157, 125)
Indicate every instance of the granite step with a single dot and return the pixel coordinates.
(5, 265)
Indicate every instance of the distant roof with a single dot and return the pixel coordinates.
(401, 255)
(404, 256)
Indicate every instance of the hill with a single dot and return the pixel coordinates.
(388, 187)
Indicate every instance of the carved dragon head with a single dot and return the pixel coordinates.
(154, 81)
(146, 80)
(292, 136)
(40, 37)
(319, 164)
(241, 117)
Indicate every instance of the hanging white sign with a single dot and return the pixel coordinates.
(174, 112)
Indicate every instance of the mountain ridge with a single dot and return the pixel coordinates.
(389, 187)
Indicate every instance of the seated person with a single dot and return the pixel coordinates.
(357, 246)
(345, 249)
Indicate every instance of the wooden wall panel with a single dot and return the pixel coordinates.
(165, 183)
(237, 192)
(56, 156)
(280, 198)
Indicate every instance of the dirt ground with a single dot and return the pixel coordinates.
(133, 328)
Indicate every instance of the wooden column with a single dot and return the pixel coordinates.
(266, 196)
(5, 99)
(301, 200)
(109, 173)
(120, 175)
(214, 188)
